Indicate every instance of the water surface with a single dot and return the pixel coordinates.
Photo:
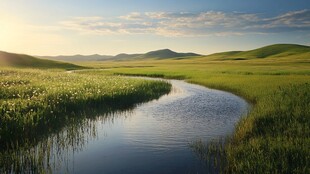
(154, 137)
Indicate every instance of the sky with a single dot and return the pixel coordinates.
(69, 27)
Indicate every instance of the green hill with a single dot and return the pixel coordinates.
(26, 61)
(271, 51)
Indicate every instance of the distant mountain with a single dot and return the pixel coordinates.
(159, 54)
(124, 56)
(76, 58)
(166, 53)
(271, 51)
(22, 60)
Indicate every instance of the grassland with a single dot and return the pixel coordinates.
(275, 136)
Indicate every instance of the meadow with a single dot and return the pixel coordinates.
(275, 136)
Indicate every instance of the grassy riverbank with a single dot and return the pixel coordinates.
(275, 136)
(39, 102)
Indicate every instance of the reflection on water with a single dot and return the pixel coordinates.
(55, 151)
(154, 137)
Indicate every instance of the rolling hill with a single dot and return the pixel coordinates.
(271, 51)
(26, 61)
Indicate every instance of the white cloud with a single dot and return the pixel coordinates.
(92, 25)
(132, 16)
(210, 23)
(291, 19)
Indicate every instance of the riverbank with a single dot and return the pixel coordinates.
(35, 103)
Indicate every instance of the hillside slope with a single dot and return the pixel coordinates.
(271, 51)
(26, 61)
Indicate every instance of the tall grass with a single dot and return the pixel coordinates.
(33, 101)
(275, 137)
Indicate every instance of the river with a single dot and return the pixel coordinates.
(153, 137)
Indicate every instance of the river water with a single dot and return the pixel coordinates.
(153, 137)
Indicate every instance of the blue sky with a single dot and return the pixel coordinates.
(58, 27)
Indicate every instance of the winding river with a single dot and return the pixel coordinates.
(153, 137)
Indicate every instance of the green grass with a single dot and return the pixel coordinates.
(275, 136)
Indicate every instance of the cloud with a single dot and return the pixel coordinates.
(92, 25)
(291, 19)
(185, 24)
(132, 16)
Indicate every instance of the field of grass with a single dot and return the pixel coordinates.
(275, 136)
